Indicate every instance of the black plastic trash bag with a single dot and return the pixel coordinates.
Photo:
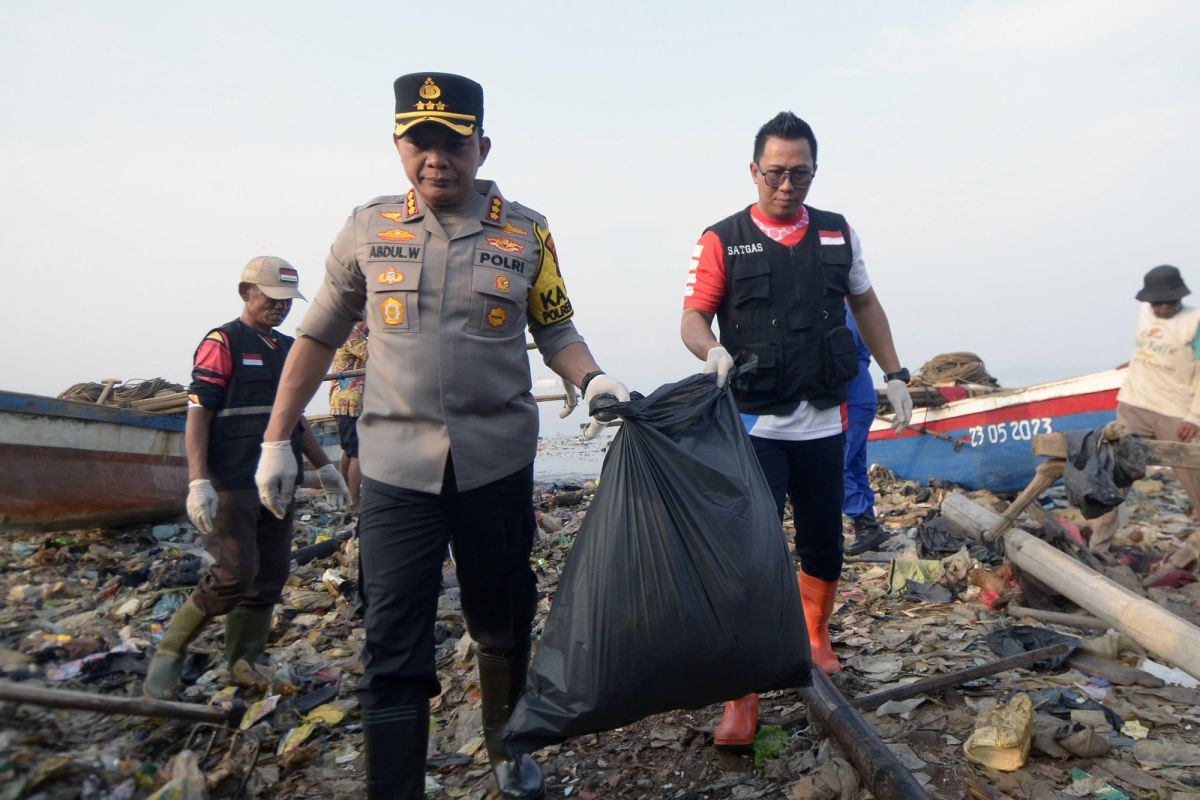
(1019, 639)
(1098, 469)
(679, 590)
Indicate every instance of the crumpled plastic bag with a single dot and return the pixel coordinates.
(187, 779)
(1097, 470)
(1002, 735)
(1018, 639)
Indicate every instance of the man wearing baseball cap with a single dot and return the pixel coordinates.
(235, 372)
(1159, 398)
(450, 276)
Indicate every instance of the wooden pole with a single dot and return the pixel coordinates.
(1043, 478)
(1147, 623)
(1081, 621)
(110, 704)
(879, 768)
(870, 702)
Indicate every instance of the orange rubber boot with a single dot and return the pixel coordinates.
(818, 596)
(737, 728)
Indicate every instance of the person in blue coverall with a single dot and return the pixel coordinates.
(859, 501)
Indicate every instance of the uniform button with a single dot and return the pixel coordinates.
(774, 323)
(824, 315)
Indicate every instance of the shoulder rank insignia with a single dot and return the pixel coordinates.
(505, 244)
(495, 207)
(513, 229)
(392, 276)
(396, 235)
(410, 204)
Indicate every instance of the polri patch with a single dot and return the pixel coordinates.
(503, 284)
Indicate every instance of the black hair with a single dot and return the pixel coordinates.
(785, 125)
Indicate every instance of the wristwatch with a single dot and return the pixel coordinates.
(899, 375)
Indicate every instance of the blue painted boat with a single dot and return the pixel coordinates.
(991, 436)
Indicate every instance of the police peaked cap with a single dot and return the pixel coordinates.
(452, 100)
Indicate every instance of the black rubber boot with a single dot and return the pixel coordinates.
(868, 535)
(501, 680)
(396, 740)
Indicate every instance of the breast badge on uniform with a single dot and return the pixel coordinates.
(392, 276)
(393, 311)
(505, 244)
(503, 284)
(513, 229)
(394, 216)
(497, 317)
(396, 235)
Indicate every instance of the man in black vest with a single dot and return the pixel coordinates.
(776, 275)
(235, 373)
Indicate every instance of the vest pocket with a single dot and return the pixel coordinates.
(751, 281)
(765, 377)
(841, 356)
(835, 269)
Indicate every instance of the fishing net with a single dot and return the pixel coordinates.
(949, 369)
(123, 394)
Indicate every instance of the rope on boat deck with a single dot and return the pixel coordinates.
(127, 392)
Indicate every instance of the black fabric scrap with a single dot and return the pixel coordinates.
(1023, 638)
(1097, 470)
(1061, 702)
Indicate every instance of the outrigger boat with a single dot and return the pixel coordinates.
(984, 442)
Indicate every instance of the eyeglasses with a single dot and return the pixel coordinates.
(775, 177)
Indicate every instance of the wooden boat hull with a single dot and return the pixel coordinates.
(995, 432)
(66, 464)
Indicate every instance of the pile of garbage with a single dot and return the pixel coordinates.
(84, 610)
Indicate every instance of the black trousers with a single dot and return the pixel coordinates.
(402, 537)
(809, 473)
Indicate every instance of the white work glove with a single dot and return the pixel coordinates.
(202, 504)
(571, 401)
(276, 477)
(600, 385)
(720, 362)
(901, 400)
(337, 493)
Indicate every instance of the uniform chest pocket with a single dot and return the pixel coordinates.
(751, 281)
(835, 269)
(392, 292)
(497, 302)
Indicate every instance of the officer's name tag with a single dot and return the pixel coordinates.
(394, 252)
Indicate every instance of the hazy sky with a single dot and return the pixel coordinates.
(1013, 168)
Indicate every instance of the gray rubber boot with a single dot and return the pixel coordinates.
(162, 677)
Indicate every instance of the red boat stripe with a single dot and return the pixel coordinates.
(1056, 407)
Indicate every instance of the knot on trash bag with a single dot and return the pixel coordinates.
(1098, 469)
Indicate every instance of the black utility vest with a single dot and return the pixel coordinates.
(784, 307)
(238, 428)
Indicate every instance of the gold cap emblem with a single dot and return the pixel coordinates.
(430, 90)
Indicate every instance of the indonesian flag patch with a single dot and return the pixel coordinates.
(251, 360)
(831, 237)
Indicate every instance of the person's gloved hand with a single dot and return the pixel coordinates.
(602, 384)
(276, 477)
(202, 504)
(720, 362)
(572, 399)
(337, 493)
(901, 400)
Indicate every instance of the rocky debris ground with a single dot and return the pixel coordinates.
(83, 611)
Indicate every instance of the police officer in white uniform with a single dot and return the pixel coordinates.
(450, 275)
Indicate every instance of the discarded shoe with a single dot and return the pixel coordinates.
(868, 535)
